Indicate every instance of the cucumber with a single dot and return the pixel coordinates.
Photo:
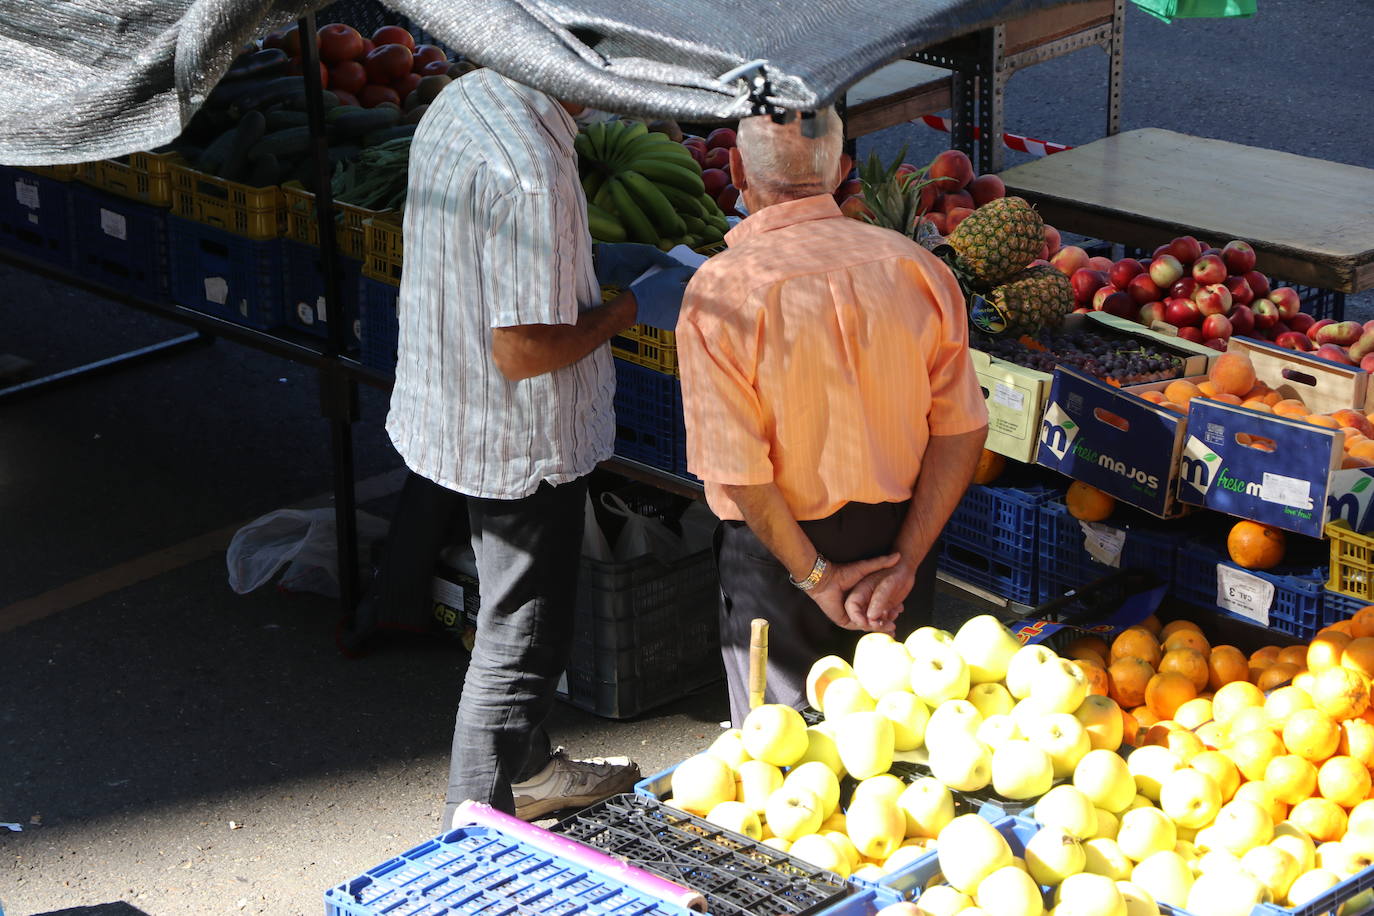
(378, 137)
(226, 94)
(284, 144)
(364, 121)
(343, 153)
(265, 171)
(215, 154)
(269, 62)
(250, 130)
(328, 100)
(281, 120)
(284, 89)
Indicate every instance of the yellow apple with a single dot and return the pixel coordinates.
(872, 871)
(995, 731)
(1010, 892)
(844, 696)
(820, 852)
(1107, 824)
(1021, 770)
(730, 748)
(700, 783)
(1275, 869)
(1105, 858)
(793, 813)
(991, 699)
(1217, 862)
(931, 637)
(884, 785)
(844, 844)
(820, 779)
(876, 825)
(822, 674)
(821, 747)
(1105, 779)
(1241, 826)
(778, 843)
(1058, 686)
(1068, 809)
(775, 734)
(1061, 736)
(969, 850)
(1101, 718)
(1166, 876)
(904, 856)
(736, 816)
(1144, 832)
(986, 646)
(882, 665)
(952, 717)
(1295, 841)
(1087, 894)
(928, 806)
(1191, 797)
(1311, 884)
(1226, 895)
(1342, 858)
(1151, 765)
(961, 763)
(755, 781)
(1052, 855)
(909, 717)
(938, 675)
(866, 741)
(1023, 665)
(1138, 900)
(942, 900)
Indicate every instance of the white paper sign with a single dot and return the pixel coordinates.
(1103, 543)
(217, 290)
(1245, 594)
(1294, 492)
(1007, 396)
(114, 224)
(319, 309)
(26, 194)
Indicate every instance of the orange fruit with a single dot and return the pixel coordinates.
(1167, 691)
(1344, 780)
(1276, 675)
(1152, 624)
(1255, 546)
(1290, 778)
(1311, 734)
(990, 467)
(1223, 772)
(1130, 729)
(1340, 692)
(1127, 679)
(1291, 408)
(1233, 373)
(1095, 675)
(1322, 819)
(1359, 655)
(1294, 655)
(1357, 740)
(1340, 626)
(1084, 646)
(1190, 663)
(1144, 717)
(1252, 751)
(1224, 665)
(1326, 650)
(1137, 642)
(1282, 703)
(1187, 639)
(1173, 626)
(1194, 713)
(1180, 392)
(1231, 698)
(1088, 503)
(1362, 624)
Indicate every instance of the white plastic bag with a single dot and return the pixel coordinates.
(641, 535)
(301, 540)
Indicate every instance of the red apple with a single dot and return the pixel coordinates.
(698, 152)
(1182, 313)
(939, 221)
(1286, 298)
(1239, 257)
(987, 188)
(1315, 328)
(855, 208)
(718, 157)
(1186, 249)
(1085, 282)
(1241, 293)
(1209, 269)
(1213, 300)
(1367, 364)
(952, 170)
(1335, 354)
(1120, 305)
(906, 168)
(1123, 272)
(956, 216)
(1266, 314)
(1208, 252)
(720, 138)
(1081, 311)
(1100, 297)
(1369, 325)
(1069, 259)
(716, 180)
(1300, 322)
(1184, 288)
(1216, 343)
(1216, 326)
(1142, 289)
(1295, 340)
(955, 200)
(847, 189)
(1258, 282)
(1044, 254)
(1165, 270)
(1190, 333)
(1341, 333)
(1151, 312)
(1052, 240)
(1100, 263)
(1161, 250)
(1242, 321)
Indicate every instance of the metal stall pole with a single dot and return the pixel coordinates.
(338, 391)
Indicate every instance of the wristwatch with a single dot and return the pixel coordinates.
(817, 572)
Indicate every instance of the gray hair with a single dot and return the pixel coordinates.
(777, 156)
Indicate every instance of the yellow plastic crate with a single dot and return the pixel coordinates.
(384, 244)
(57, 172)
(144, 177)
(349, 225)
(1352, 562)
(254, 213)
(650, 347)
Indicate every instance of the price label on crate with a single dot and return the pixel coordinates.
(1007, 396)
(114, 224)
(1103, 543)
(1245, 594)
(26, 194)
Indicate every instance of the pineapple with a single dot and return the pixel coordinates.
(894, 202)
(998, 239)
(1037, 297)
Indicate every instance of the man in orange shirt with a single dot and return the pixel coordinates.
(832, 411)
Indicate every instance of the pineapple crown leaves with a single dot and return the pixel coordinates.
(895, 201)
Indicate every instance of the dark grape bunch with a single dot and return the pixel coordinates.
(1122, 361)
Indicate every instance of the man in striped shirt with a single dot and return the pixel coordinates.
(503, 394)
(832, 411)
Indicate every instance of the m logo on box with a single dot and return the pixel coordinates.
(1353, 504)
(1058, 431)
(1198, 466)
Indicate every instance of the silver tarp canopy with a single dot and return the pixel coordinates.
(89, 79)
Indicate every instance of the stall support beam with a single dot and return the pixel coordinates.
(101, 366)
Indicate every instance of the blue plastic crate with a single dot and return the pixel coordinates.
(1325, 904)
(303, 290)
(378, 323)
(1066, 564)
(225, 275)
(1297, 604)
(649, 423)
(1337, 607)
(35, 216)
(481, 870)
(120, 242)
(1319, 303)
(1003, 576)
(992, 539)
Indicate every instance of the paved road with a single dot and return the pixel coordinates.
(170, 748)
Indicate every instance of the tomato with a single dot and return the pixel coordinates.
(406, 84)
(374, 95)
(436, 68)
(339, 42)
(289, 40)
(428, 54)
(393, 34)
(349, 76)
(345, 98)
(388, 63)
(296, 68)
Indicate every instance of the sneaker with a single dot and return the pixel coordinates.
(569, 783)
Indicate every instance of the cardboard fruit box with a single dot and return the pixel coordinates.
(1017, 396)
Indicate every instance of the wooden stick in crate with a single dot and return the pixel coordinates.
(758, 661)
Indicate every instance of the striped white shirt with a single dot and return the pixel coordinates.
(495, 236)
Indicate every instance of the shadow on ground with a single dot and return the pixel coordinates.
(102, 909)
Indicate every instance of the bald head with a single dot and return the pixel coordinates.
(778, 163)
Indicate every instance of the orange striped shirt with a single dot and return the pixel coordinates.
(821, 353)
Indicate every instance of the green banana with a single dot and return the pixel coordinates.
(592, 183)
(603, 199)
(604, 226)
(695, 224)
(653, 204)
(684, 203)
(636, 224)
(583, 145)
(649, 142)
(667, 173)
(617, 135)
(596, 139)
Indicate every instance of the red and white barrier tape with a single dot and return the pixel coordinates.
(1011, 141)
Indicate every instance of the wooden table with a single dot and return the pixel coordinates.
(900, 92)
(1310, 221)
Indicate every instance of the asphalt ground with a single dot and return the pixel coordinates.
(168, 747)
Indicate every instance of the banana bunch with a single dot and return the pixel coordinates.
(642, 186)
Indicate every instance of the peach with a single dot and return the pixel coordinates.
(1233, 373)
(1291, 408)
(1257, 404)
(1321, 419)
(1353, 419)
(1180, 392)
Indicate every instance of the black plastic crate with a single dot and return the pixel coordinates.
(379, 323)
(225, 275)
(35, 216)
(737, 876)
(120, 242)
(303, 291)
